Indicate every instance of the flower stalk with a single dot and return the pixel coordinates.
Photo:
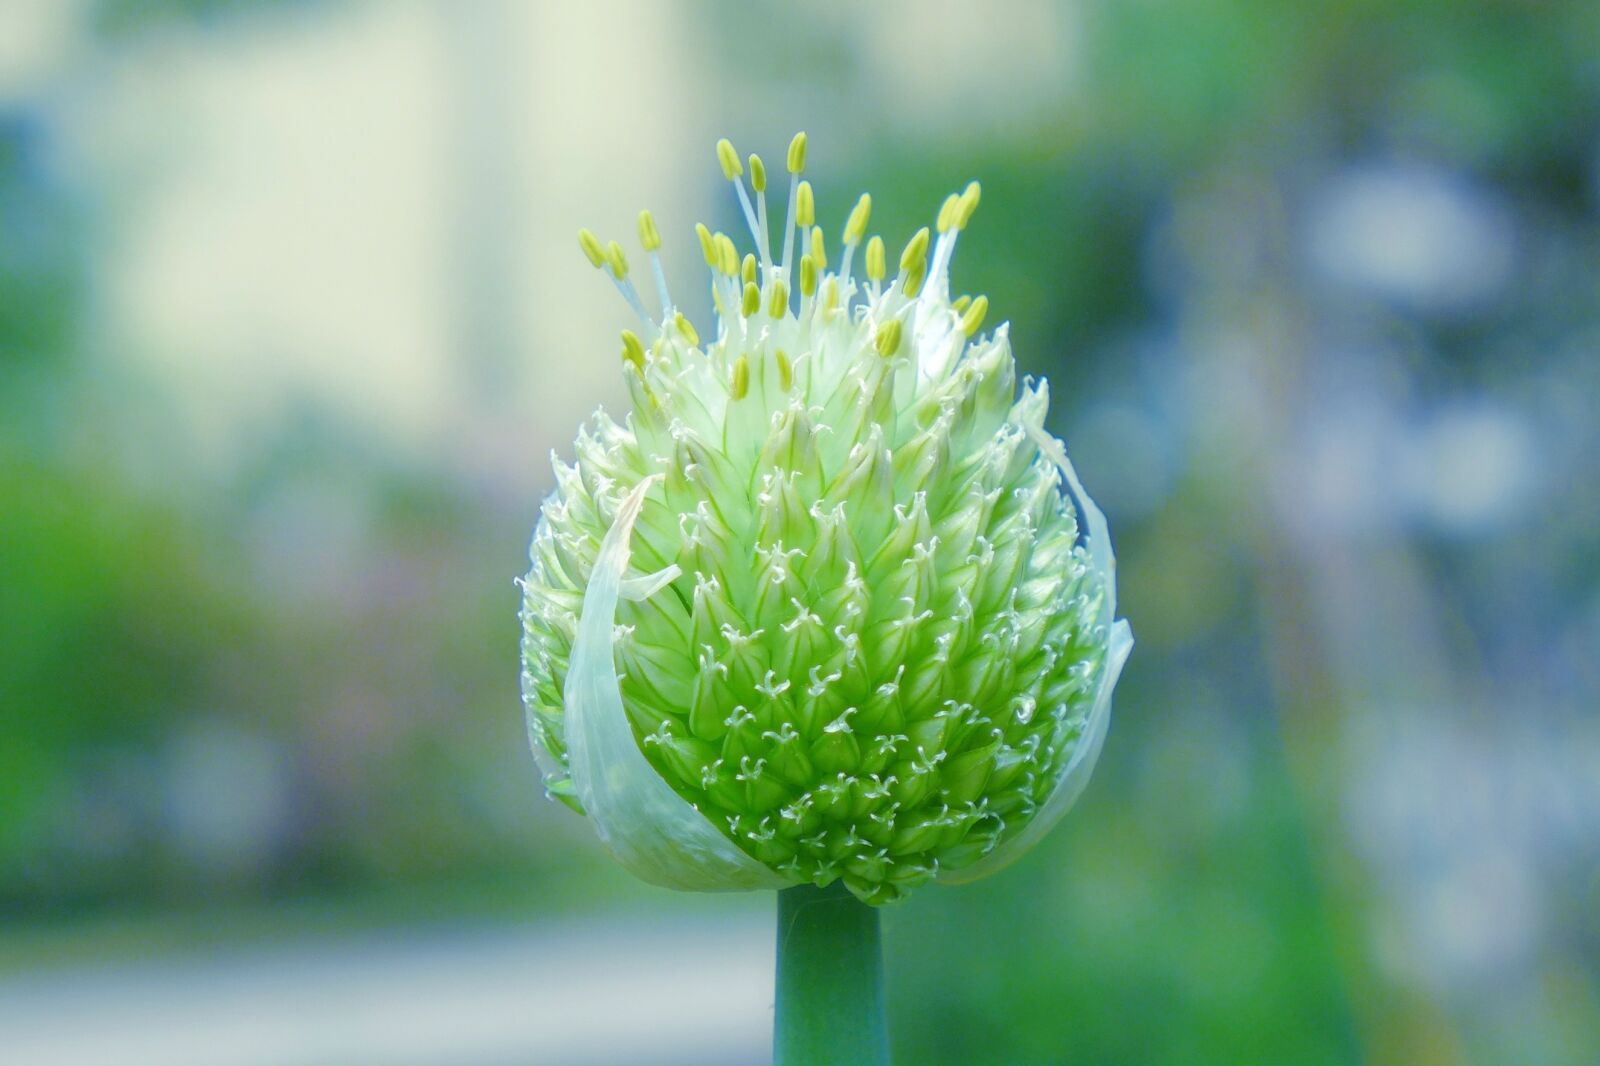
(830, 980)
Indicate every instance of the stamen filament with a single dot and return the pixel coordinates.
(631, 295)
(749, 211)
(761, 240)
(758, 182)
(650, 239)
(788, 222)
(667, 306)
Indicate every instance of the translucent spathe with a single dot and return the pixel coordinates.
(642, 822)
(1075, 775)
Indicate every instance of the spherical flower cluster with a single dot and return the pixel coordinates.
(830, 602)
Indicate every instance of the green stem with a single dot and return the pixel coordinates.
(830, 980)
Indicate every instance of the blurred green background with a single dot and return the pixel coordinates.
(291, 316)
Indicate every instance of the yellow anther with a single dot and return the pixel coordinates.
(708, 245)
(752, 299)
(727, 256)
(888, 339)
(591, 247)
(969, 203)
(876, 265)
(649, 236)
(731, 167)
(805, 205)
(686, 328)
(797, 153)
(855, 227)
(785, 371)
(758, 173)
(632, 350)
(819, 249)
(741, 378)
(959, 304)
(808, 275)
(972, 320)
(830, 295)
(915, 277)
(616, 260)
(916, 251)
(778, 301)
(747, 269)
(947, 212)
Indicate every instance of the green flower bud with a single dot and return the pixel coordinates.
(821, 606)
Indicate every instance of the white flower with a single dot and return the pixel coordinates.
(864, 638)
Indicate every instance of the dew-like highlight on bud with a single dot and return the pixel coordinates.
(830, 585)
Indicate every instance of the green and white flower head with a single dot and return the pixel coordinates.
(829, 602)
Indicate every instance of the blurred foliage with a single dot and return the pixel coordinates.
(113, 20)
(1140, 932)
